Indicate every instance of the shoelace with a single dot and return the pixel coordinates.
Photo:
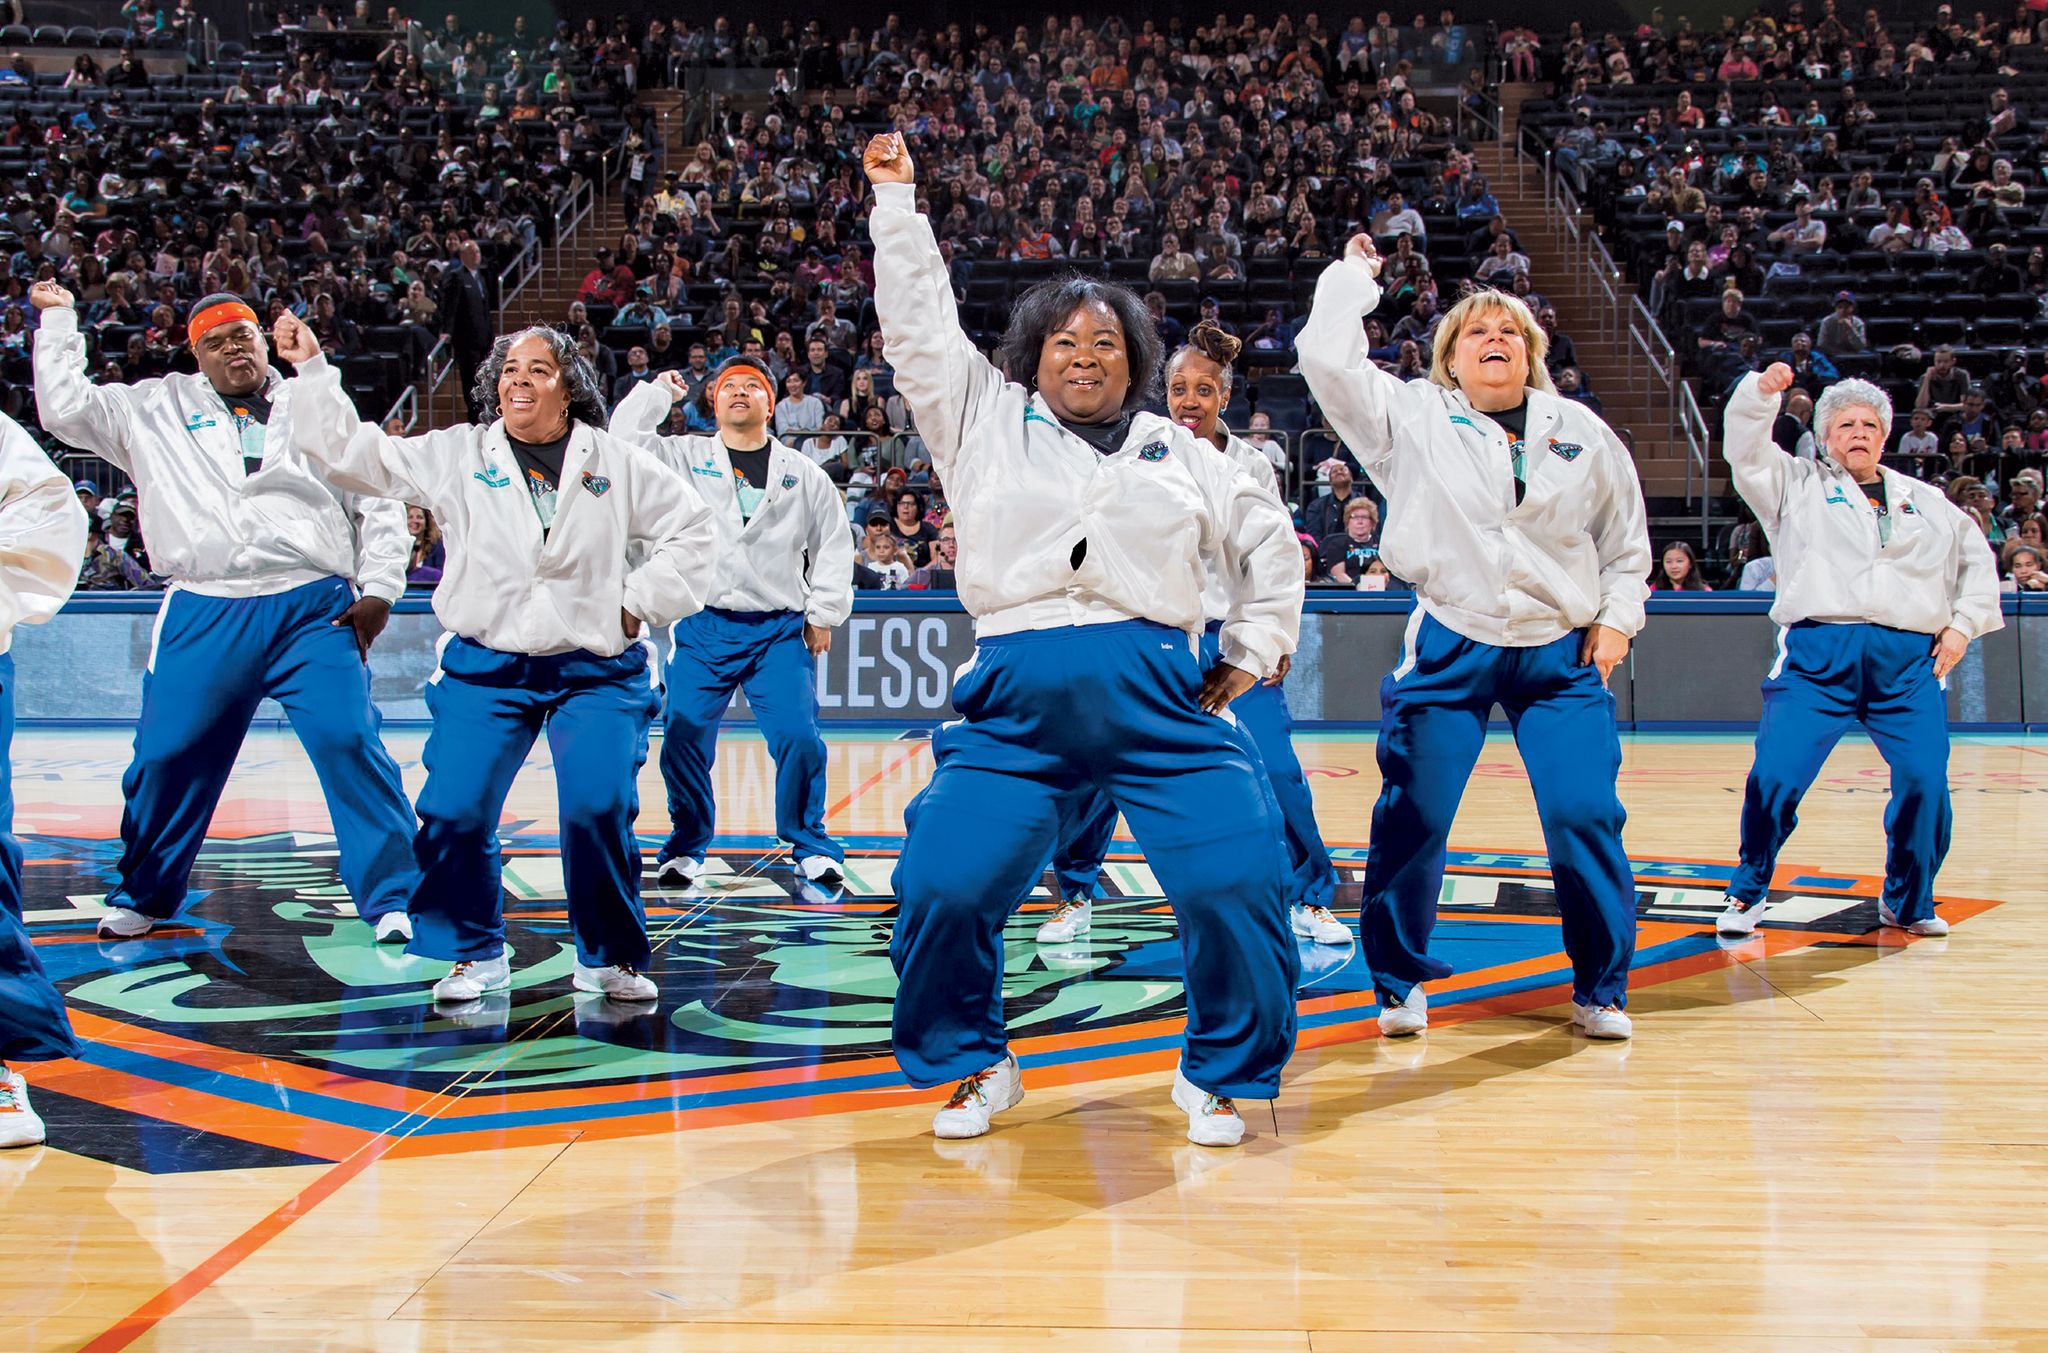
(1321, 914)
(10, 1102)
(970, 1088)
(1067, 908)
(1220, 1107)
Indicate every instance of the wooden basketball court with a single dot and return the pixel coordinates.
(1826, 1134)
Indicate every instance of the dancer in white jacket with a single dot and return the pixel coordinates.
(280, 584)
(542, 513)
(1882, 584)
(784, 583)
(1518, 518)
(1086, 529)
(42, 537)
(1198, 379)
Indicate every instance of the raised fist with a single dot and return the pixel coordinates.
(887, 159)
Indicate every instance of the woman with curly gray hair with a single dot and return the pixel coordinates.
(543, 515)
(1882, 584)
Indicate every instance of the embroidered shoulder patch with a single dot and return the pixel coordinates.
(196, 421)
(596, 483)
(492, 477)
(1908, 508)
(789, 481)
(1152, 451)
(1568, 450)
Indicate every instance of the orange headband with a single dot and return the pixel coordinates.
(743, 371)
(219, 313)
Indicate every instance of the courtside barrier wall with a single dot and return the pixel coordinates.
(1697, 665)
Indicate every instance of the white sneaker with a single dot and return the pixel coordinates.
(1321, 925)
(1411, 1016)
(1741, 917)
(1071, 920)
(1602, 1021)
(820, 869)
(1930, 927)
(619, 982)
(1212, 1119)
(979, 1098)
(469, 980)
(125, 923)
(681, 872)
(394, 927)
(19, 1125)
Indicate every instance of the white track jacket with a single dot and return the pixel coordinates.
(506, 585)
(1937, 572)
(211, 525)
(42, 533)
(1217, 594)
(1025, 492)
(1574, 552)
(794, 555)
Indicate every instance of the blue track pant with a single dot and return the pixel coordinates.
(1049, 717)
(33, 1026)
(214, 660)
(1827, 677)
(1432, 726)
(1312, 879)
(762, 653)
(488, 708)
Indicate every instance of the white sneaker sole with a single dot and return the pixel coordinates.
(1061, 933)
(680, 872)
(598, 989)
(457, 995)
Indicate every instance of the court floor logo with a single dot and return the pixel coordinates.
(268, 1029)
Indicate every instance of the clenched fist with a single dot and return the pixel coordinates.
(50, 296)
(887, 160)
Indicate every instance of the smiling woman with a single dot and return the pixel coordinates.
(546, 587)
(1087, 346)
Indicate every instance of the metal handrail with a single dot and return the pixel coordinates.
(526, 266)
(1480, 116)
(1698, 437)
(408, 402)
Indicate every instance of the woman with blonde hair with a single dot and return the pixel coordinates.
(1517, 517)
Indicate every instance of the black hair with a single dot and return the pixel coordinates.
(1045, 307)
(707, 392)
(586, 395)
(1208, 339)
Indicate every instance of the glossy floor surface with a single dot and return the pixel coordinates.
(1825, 1135)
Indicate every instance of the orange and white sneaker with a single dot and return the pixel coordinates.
(473, 978)
(1071, 920)
(979, 1098)
(1213, 1120)
(19, 1125)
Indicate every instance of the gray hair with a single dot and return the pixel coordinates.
(1849, 394)
(586, 394)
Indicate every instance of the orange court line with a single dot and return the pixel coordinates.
(899, 763)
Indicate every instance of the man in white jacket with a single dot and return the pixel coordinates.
(42, 536)
(1517, 516)
(1882, 584)
(280, 586)
(784, 583)
(562, 542)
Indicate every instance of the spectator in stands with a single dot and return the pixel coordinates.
(1919, 442)
(1325, 516)
(1944, 384)
(891, 573)
(799, 410)
(107, 568)
(938, 575)
(1842, 332)
(466, 317)
(124, 532)
(428, 554)
(1571, 385)
(2025, 567)
(1976, 418)
(1678, 570)
(1805, 233)
(1562, 352)
(1812, 369)
(1172, 263)
(823, 376)
(914, 535)
(1398, 218)
(1997, 277)
(638, 372)
(1720, 340)
(1501, 263)
(1344, 555)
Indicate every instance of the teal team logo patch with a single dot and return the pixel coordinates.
(789, 481)
(1153, 451)
(492, 477)
(597, 484)
(1835, 495)
(1568, 450)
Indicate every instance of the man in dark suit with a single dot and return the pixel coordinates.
(466, 311)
